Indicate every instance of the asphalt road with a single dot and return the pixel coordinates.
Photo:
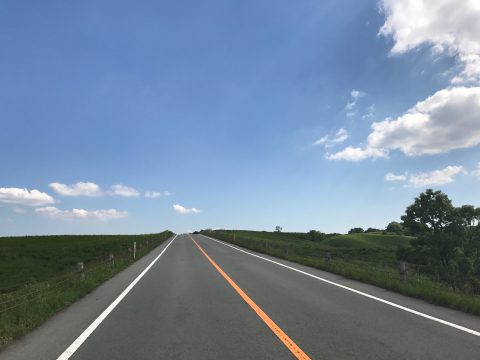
(188, 306)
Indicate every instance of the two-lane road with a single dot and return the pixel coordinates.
(204, 299)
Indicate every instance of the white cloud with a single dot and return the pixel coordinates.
(156, 194)
(357, 154)
(355, 94)
(436, 177)
(19, 196)
(81, 214)
(320, 141)
(448, 26)
(77, 189)
(92, 189)
(447, 120)
(393, 177)
(351, 104)
(339, 137)
(370, 112)
(182, 210)
(125, 191)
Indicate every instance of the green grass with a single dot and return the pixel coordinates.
(366, 257)
(38, 275)
(367, 241)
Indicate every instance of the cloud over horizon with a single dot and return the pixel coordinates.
(81, 214)
(356, 154)
(183, 210)
(91, 189)
(436, 177)
(77, 189)
(125, 191)
(18, 196)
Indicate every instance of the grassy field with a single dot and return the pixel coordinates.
(38, 276)
(367, 257)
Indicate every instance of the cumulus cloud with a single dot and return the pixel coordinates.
(445, 121)
(81, 214)
(77, 189)
(357, 154)
(436, 177)
(182, 210)
(393, 177)
(448, 26)
(92, 189)
(431, 178)
(340, 136)
(125, 191)
(19, 196)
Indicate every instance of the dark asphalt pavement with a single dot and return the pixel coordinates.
(183, 308)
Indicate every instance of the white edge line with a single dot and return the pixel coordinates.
(89, 330)
(433, 318)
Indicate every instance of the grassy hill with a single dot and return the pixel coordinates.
(374, 240)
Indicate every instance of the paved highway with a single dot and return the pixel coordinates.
(204, 299)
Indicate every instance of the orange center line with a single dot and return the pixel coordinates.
(289, 343)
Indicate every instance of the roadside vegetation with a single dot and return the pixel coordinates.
(40, 275)
(436, 243)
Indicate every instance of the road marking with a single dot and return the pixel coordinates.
(404, 308)
(296, 351)
(88, 331)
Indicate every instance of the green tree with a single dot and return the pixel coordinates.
(447, 239)
(438, 228)
(356, 230)
(431, 212)
(395, 227)
(315, 235)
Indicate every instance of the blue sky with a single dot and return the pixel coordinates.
(244, 114)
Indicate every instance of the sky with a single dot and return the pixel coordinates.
(136, 117)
